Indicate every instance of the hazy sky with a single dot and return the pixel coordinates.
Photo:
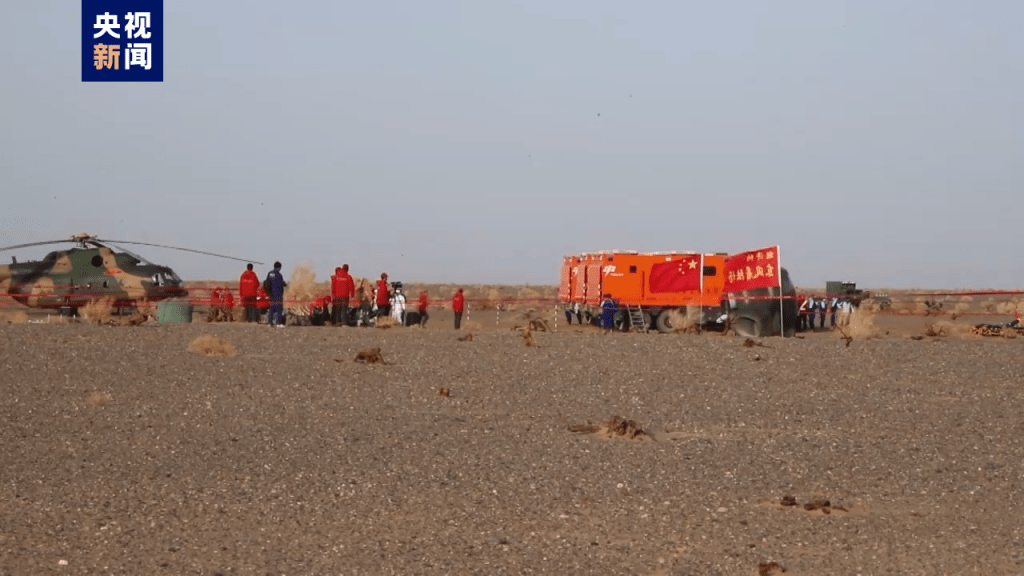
(479, 141)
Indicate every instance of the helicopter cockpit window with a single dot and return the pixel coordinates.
(156, 279)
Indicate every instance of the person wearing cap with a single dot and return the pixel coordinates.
(383, 296)
(608, 309)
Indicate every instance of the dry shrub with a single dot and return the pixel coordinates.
(615, 426)
(870, 305)
(527, 293)
(862, 324)
(13, 316)
(1009, 307)
(385, 322)
(494, 300)
(528, 339)
(97, 311)
(371, 356)
(466, 338)
(770, 569)
(146, 308)
(99, 399)
(947, 328)
(212, 346)
(136, 319)
(539, 325)
(444, 392)
(301, 289)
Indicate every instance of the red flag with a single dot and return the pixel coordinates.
(752, 270)
(676, 275)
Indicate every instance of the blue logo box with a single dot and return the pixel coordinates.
(122, 41)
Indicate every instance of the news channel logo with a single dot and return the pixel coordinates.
(122, 41)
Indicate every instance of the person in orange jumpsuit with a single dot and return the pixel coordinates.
(424, 302)
(343, 289)
(383, 299)
(248, 289)
(458, 307)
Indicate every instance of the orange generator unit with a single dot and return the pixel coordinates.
(651, 289)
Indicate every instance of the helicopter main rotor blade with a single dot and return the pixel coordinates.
(36, 244)
(183, 249)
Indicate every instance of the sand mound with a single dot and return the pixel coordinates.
(14, 316)
(371, 356)
(98, 399)
(212, 346)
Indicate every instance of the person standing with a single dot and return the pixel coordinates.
(822, 302)
(424, 302)
(834, 307)
(802, 303)
(398, 305)
(458, 307)
(275, 284)
(343, 289)
(248, 289)
(608, 310)
(383, 299)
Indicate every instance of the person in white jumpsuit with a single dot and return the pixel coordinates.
(398, 307)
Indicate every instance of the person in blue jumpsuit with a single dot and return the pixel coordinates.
(274, 285)
(608, 309)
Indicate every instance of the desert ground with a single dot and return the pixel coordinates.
(227, 448)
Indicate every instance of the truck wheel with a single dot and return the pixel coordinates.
(664, 322)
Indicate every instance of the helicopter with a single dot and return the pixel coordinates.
(94, 269)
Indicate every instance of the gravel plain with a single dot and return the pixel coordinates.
(124, 453)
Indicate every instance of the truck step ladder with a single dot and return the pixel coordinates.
(636, 318)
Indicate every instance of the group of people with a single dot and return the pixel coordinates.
(253, 294)
(809, 306)
(372, 302)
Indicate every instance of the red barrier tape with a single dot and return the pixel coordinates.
(198, 297)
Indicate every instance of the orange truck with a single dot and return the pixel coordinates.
(646, 286)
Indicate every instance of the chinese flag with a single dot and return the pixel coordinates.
(676, 275)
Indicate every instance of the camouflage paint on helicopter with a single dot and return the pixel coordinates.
(91, 271)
